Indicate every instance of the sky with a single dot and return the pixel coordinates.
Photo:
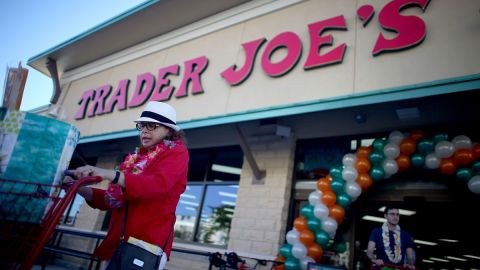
(31, 27)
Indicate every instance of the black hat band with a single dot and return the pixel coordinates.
(157, 117)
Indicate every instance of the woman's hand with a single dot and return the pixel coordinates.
(88, 170)
(105, 174)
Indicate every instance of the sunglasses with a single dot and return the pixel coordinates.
(149, 125)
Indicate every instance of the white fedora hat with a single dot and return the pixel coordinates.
(159, 112)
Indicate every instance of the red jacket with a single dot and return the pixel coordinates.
(153, 196)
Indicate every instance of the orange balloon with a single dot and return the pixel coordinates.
(337, 212)
(307, 237)
(324, 184)
(417, 134)
(447, 166)
(476, 151)
(463, 156)
(300, 223)
(364, 151)
(315, 252)
(403, 162)
(364, 180)
(363, 165)
(408, 146)
(279, 259)
(329, 198)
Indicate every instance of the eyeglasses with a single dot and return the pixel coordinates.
(149, 125)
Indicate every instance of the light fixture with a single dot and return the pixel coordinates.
(408, 113)
(402, 211)
(283, 131)
(427, 261)
(360, 118)
(438, 259)
(472, 257)
(423, 242)
(373, 218)
(456, 258)
(226, 169)
(448, 240)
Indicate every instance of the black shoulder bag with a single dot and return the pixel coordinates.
(132, 257)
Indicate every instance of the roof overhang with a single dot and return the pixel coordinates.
(141, 23)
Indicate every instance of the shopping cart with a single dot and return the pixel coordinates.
(29, 213)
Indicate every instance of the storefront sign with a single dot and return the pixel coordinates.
(411, 31)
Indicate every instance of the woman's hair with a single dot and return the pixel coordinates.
(176, 135)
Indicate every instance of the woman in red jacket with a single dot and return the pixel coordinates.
(150, 180)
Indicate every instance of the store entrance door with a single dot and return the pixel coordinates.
(443, 220)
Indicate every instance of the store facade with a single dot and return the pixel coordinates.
(271, 95)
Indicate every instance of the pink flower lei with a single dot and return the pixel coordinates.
(135, 163)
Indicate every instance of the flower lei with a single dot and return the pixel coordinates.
(397, 256)
(134, 163)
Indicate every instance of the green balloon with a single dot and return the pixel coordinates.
(418, 160)
(377, 173)
(343, 200)
(338, 185)
(336, 172)
(440, 137)
(286, 251)
(426, 146)
(376, 157)
(314, 224)
(464, 173)
(292, 264)
(476, 166)
(307, 211)
(340, 247)
(322, 238)
(378, 145)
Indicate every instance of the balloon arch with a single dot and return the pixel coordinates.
(319, 219)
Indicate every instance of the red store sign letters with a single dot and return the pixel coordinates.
(411, 31)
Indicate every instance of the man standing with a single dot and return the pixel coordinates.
(391, 244)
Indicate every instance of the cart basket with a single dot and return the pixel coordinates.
(29, 213)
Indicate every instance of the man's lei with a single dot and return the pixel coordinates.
(136, 164)
(397, 256)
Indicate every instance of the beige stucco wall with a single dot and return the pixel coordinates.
(449, 50)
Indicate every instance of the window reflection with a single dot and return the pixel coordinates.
(205, 210)
(187, 211)
(217, 214)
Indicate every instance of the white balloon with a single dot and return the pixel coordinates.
(321, 211)
(329, 225)
(299, 251)
(390, 167)
(462, 142)
(315, 197)
(396, 137)
(305, 261)
(349, 160)
(444, 149)
(293, 236)
(353, 190)
(349, 174)
(474, 184)
(391, 150)
(432, 161)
